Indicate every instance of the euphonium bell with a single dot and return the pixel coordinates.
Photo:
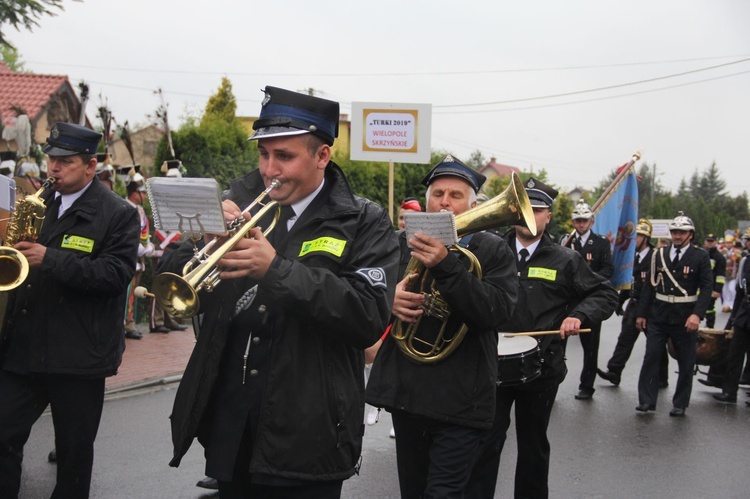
(437, 333)
(178, 295)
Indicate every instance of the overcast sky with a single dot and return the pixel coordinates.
(464, 58)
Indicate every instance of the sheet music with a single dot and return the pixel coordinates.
(440, 225)
(191, 206)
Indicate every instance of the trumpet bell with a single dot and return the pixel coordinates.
(14, 268)
(175, 295)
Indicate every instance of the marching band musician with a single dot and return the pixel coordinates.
(595, 249)
(558, 291)
(673, 302)
(629, 333)
(442, 410)
(274, 388)
(63, 331)
(719, 270)
(739, 322)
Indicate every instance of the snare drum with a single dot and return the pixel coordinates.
(519, 360)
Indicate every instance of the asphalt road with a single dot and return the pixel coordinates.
(600, 448)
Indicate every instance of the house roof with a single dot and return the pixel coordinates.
(29, 91)
(499, 169)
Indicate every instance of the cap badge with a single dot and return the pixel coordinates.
(266, 99)
(54, 133)
(530, 184)
(449, 159)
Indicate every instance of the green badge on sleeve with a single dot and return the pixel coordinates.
(77, 243)
(542, 273)
(327, 244)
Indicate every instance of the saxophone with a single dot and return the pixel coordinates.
(24, 225)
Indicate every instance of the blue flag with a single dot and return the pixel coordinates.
(616, 219)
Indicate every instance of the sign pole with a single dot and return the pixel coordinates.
(390, 190)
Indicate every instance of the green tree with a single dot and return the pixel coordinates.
(12, 59)
(476, 160)
(222, 105)
(217, 145)
(24, 14)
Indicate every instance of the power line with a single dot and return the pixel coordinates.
(599, 89)
(369, 75)
(677, 85)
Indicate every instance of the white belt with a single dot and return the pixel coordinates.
(676, 299)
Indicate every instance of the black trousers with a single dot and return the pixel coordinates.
(434, 458)
(76, 406)
(739, 347)
(590, 344)
(657, 335)
(533, 403)
(711, 314)
(626, 341)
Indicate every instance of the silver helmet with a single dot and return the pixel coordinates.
(582, 210)
(682, 222)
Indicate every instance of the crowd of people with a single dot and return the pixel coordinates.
(332, 293)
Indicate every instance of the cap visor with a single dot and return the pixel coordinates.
(534, 203)
(57, 151)
(276, 131)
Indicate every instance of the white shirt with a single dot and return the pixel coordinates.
(530, 248)
(300, 206)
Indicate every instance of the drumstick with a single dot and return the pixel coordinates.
(539, 333)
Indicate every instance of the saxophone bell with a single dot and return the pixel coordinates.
(24, 225)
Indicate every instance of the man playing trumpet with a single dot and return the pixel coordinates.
(274, 389)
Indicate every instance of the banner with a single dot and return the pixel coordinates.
(616, 217)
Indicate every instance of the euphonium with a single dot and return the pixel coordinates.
(178, 295)
(436, 333)
(24, 225)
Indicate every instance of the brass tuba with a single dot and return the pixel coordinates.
(178, 295)
(24, 225)
(435, 334)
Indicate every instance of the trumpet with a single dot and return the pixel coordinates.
(178, 294)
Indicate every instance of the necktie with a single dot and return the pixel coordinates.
(637, 259)
(523, 255)
(281, 230)
(54, 209)
(577, 243)
(676, 258)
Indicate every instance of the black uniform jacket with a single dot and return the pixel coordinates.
(692, 272)
(67, 317)
(459, 389)
(719, 267)
(598, 253)
(557, 283)
(327, 296)
(741, 309)
(640, 276)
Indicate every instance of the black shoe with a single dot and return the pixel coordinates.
(133, 335)
(726, 397)
(677, 412)
(645, 407)
(709, 382)
(208, 483)
(744, 381)
(584, 395)
(663, 384)
(177, 327)
(159, 329)
(613, 378)
(52, 456)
